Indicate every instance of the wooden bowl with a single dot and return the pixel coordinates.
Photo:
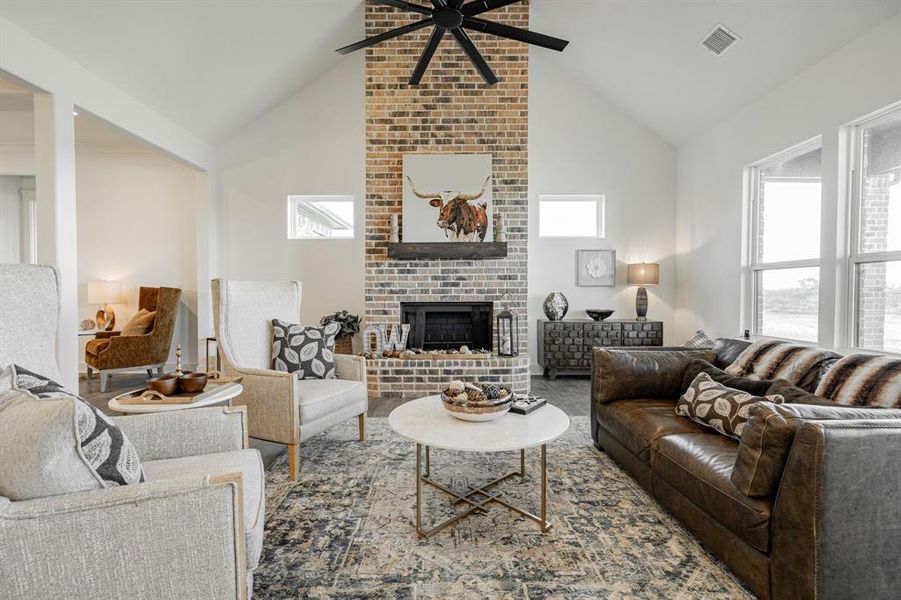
(192, 383)
(165, 384)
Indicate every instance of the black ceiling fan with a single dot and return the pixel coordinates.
(456, 17)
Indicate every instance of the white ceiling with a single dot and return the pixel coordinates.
(646, 56)
(214, 66)
(208, 66)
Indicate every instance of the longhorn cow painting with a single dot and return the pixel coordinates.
(447, 198)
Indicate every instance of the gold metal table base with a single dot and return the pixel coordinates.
(477, 498)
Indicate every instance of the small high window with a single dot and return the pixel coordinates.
(320, 217)
(571, 216)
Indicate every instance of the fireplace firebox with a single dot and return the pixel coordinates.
(448, 325)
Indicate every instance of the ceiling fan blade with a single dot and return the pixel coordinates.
(403, 5)
(475, 56)
(370, 41)
(477, 7)
(427, 53)
(515, 33)
(439, 3)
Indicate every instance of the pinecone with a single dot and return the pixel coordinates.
(476, 396)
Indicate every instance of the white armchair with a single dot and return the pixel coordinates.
(194, 529)
(281, 408)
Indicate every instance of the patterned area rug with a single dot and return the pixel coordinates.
(345, 530)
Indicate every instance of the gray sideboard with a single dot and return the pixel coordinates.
(564, 347)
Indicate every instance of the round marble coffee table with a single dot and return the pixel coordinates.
(426, 423)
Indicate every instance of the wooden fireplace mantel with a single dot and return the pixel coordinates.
(448, 250)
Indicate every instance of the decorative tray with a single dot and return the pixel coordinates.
(147, 396)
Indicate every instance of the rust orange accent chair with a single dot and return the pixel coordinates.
(113, 351)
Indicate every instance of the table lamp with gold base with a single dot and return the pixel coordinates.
(105, 293)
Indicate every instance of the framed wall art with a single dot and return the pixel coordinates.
(596, 268)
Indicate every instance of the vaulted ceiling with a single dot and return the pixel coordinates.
(212, 67)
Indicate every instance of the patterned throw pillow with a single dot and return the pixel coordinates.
(700, 340)
(307, 351)
(863, 380)
(772, 359)
(106, 451)
(714, 405)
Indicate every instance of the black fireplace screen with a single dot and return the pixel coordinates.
(448, 325)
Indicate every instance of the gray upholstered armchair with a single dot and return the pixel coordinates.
(194, 529)
(281, 408)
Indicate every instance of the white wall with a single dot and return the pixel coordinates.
(67, 84)
(136, 224)
(313, 143)
(858, 79)
(10, 219)
(580, 144)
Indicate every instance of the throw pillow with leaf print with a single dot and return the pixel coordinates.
(309, 352)
(714, 405)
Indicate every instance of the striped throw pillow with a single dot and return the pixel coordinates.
(772, 359)
(864, 380)
(700, 340)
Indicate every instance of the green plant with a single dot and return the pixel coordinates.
(350, 324)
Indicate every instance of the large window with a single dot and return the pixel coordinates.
(784, 254)
(320, 217)
(575, 216)
(876, 233)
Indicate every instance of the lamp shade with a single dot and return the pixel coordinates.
(104, 292)
(644, 274)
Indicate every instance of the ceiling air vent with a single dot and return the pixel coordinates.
(719, 39)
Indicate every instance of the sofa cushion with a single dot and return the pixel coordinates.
(793, 394)
(638, 423)
(770, 433)
(863, 380)
(59, 444)
(716, 406)
(307, 351)
(727, 350)
(140, 324)
(245, 462)
(643, 374)
(317, 398)
(756, 387)
(773, 359)
(699, 466)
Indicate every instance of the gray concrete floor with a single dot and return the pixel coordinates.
(571, 394)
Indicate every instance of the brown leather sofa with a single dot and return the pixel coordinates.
(833, 529)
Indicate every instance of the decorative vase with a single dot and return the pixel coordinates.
(556, 306)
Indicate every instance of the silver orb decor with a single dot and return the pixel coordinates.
(555, 306)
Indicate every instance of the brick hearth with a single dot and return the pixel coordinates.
(451, 111)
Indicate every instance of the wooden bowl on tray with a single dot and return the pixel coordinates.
(192, 383)
(164, 384)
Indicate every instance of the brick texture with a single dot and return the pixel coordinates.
(451, 111)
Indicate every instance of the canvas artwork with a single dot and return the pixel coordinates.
(447, 198)
(596, 268)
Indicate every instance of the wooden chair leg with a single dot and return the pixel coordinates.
(294, 461)
(361, 422)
